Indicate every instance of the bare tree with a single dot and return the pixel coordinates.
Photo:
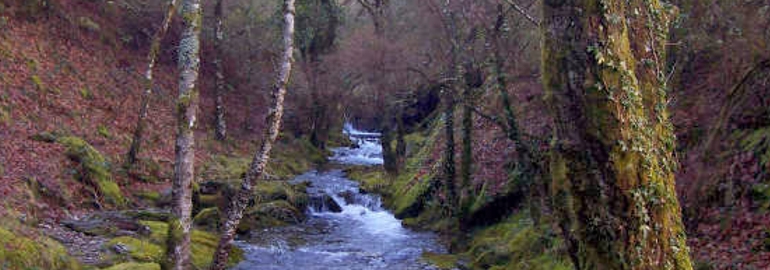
(152, 57)
(178, 246)
(376, 9)
(238, 204)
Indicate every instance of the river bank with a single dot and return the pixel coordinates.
(494, 231)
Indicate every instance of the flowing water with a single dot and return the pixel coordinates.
(359, 234)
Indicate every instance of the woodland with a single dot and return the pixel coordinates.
(384, 134)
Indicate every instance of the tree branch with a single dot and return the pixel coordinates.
(523, 12)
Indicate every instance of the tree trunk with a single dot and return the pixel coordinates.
(219, 77)
(473, 79)
(466, 162)
(455, 77)
(152, 57)
(178, 253)
(400, 142)
(449, 152)
(613, 152)
(388, 155)
(237, 205)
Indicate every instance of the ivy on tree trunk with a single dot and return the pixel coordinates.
(613, 160)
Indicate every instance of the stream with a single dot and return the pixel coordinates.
(360, 234)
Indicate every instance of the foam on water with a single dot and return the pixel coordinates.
(366, 150)
(362, 236)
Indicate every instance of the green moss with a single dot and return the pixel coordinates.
(85, 93)
(761, 195)
(19, 252)
(203, 244)
(5, 116)
(38, 83)
(207, 218)
(516, 244)
(94, 169)
(140, 250)
(758, 142)
(280, 210)
(152, 196)
(158, 231)
(134, 266)
(442, 261)
(288, 159)
(296, 195)
(103, 131)
(371, 179)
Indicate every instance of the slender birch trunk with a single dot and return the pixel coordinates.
(612, 162)
(220, 125)
(237, 205)
(152, 57)
(178, 252)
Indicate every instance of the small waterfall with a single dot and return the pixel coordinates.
(323, 203)
(365, 151)
(345, 228)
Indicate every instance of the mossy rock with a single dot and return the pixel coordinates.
(203, 244)
(94, 169)
(216, 194)
(208, 218)
(147, 214)
(371, 180)
(139, 250)
(152, 197)
(253, 221)
(280, 210)
(19, 252)
(271, 214)
(134, 266)
(296, 195)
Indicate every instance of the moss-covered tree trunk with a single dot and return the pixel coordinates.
(219, 76)
(613, 151)
(388, 155)
(178, 247)
(400, 141)
(466, 160)
(454, 77)
(152, 57)
(238, 204)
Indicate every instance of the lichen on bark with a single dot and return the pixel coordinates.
(613, 161)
